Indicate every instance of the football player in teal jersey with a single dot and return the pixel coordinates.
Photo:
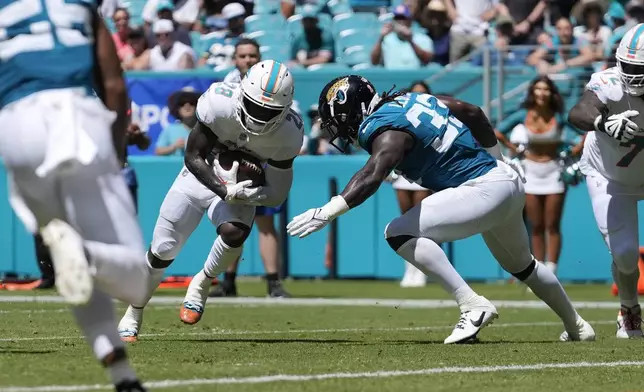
(63, 124)
(448, 146)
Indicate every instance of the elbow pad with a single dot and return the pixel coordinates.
(278, 185)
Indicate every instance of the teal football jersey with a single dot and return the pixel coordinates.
(445, 154)
(45, 45)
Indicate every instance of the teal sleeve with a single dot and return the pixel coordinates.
(164, 139)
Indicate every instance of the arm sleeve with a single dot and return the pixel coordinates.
(278, 185)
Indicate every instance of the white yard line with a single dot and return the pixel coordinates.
(331, 376)
(397, 303)
(219, 332)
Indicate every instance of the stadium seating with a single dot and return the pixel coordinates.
(277, 53)
(338, 7)
(360, 21)
(270, 22)
(264, 7)
(271, 38)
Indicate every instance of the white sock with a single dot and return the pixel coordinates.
(546, 286)
(154, 279)
(428, 257)
(626, 286)
(220, 257)
(121, 371)
(120, 270)
(551, 266)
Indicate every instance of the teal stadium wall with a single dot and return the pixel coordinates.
(362, 251)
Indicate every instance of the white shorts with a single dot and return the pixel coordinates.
(92, 197)
(403, 184)
(182, 209)
(491, 205)
(543, 178)
(615, 209)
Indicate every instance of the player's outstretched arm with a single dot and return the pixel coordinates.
(586, 111)
(110, 85)
(279, 178)
(200, 143)
(387, 151)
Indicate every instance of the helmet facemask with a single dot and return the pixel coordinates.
(632, 77)
(259, 118)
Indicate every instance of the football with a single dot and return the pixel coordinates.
(250, 167)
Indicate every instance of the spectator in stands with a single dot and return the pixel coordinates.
(140, 57)
(288, 6)
(220, 46)
(245, 56)
(528, 15)
(121, 18)
(469, 24)
(399, 47)
(502, 42)
(536, 137)
(590, 27)
(315, 44)
(634, 14)
(434, 18)
(567, 51)
(168, 54)
(185, 12)
(560, 8)
(180, 33)
(172, 139)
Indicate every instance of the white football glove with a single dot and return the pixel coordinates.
(619, 126)
(237, 193)
(515, 164)
(309, 222)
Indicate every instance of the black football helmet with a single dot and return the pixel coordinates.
(343, 105)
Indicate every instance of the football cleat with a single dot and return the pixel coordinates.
(73, 279)
(276, 290)
(130, 325)
(129, 386)
(473, 318)
(583, 333)
(224, 289)
(195, 299)
(629, 322)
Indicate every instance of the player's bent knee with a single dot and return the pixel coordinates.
(523, 274)
(626, 259)
(396, 242)
(156, 262)
(233, 233)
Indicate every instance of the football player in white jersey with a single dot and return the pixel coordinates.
(613, 107)
(255, 117)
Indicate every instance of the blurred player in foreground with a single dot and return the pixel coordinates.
(448, 146)
(612, 107)
(61, 156)
(254, 117)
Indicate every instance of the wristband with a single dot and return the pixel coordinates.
(335, 207)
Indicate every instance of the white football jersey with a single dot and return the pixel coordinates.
(623, 163)
(217, 109)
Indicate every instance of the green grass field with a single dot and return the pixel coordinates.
(288, 347)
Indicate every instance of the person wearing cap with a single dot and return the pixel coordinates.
(399, 47)
(315, 44)
(220, 46)
(566, 51)
(180, 33)
(470, 21)
(590, 27)
(435, 20)
(172, 139)
(168, 54)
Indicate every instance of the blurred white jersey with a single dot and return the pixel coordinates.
(217, 108)
(622, 163)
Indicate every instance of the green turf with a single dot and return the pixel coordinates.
(244, 341)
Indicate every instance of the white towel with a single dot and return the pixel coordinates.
(68, 144)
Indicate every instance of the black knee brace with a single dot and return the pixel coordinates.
(156, 262)
(523, 275)
(117, 355)
(396, 242)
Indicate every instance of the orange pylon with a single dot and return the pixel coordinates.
(640, 284)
